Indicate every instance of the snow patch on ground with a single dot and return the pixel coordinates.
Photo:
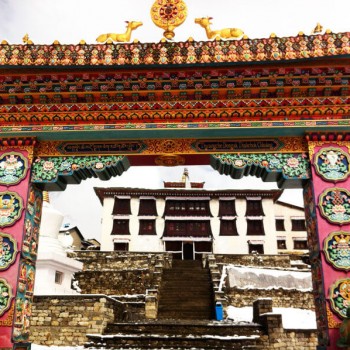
(292, 318)
(261, 278)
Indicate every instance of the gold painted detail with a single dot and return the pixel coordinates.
(168, 14)
(226, 33)
(332, 322)
(8, 320)
(123, 37)
(170, 160)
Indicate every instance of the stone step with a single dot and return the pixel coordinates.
(195, 327)
(157, 341)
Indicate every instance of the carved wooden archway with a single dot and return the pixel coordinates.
(268, 107)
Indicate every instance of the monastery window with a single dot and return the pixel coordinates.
(203, 247)
(281, 243)
(148, 207)
(254, 207)
(255, 247)
(298, 225)
(280, 225)
(187, 228)
(58, 277)
(255, 227)
(300, 243)
(121, 246)
(121, 206)
(228, 227)
(187, 208)
(227, 208)
(173, 246)
(120, 227)
(147, 227)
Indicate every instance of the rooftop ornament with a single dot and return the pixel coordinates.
(226, 33)
(168, 14)
(109, 38)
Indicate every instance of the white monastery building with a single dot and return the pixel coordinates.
(185, 219)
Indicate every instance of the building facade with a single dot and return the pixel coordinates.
(187, 220)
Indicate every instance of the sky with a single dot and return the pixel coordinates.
(70, 21)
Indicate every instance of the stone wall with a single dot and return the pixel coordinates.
(278, 338)
(65, 320)
(120, 273)
(254, 260)
(280, 297)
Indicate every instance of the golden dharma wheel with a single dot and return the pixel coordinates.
(168, 14)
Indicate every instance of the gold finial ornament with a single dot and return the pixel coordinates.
(318, 29)
(121, 38)
(26, 40)
(226, 33)
(168, 14)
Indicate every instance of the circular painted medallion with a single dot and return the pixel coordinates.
(332, 164)
(11, 206)
(5, 296)
(13, 168)
(340, 296)
(168, 14)
(337, 249)
(334, 204)
(8, 250)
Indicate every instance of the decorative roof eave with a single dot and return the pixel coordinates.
(102, 193)
(289, 170)
(54, 173)
(179, 53)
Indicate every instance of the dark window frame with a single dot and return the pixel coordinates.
(280, 225)
(123, 245)
(227, 207)
(228, 227)
(121, 227)
(121, 206)
(147, 227)
(298, 225)
(255, 227)
(254, 207)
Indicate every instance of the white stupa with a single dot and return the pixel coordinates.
(54, 270)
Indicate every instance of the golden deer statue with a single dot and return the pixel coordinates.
(226, 33)
(124, 37)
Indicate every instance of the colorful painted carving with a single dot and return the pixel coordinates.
(291, 165)
(50, 168)
(13, 168)
(332, 164)
(23, 305)
(340, 296)
(5, 296)
(8, 250)
(328, 44)
(337, 249)
(334, 205)
(32, 224)
(11, 206)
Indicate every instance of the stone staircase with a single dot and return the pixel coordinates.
(186, 292)
(185, 319)
(178, 335)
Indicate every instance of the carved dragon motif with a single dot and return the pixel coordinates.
(123, 37)
(226, 33)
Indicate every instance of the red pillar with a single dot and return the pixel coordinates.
(20, 214)
(327, 204)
